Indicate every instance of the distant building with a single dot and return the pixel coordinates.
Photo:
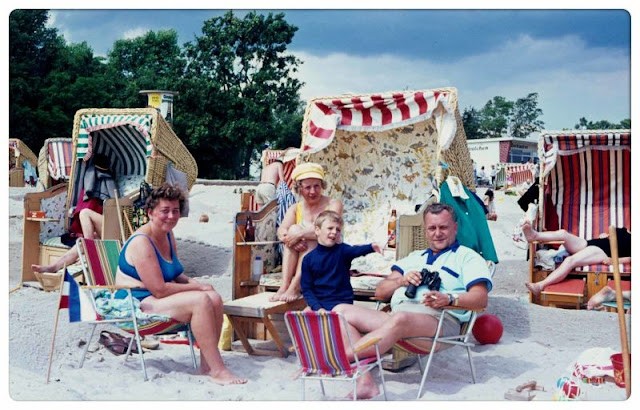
(490, 151)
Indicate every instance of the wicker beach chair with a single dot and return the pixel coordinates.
(19, 153)
(54, 162)
(585, 186)
(140, 145)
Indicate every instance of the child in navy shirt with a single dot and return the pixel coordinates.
(325, 279)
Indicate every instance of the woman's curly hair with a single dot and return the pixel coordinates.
(165, 191)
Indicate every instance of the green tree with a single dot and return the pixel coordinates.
(151, 61)
(584, 124)
(471, 122)
(33, 51)
(238, 91)
(495, 117)
(525, 116)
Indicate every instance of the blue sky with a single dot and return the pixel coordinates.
(578, 61)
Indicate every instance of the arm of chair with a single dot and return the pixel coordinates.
(371, 342)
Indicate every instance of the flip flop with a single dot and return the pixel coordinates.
(115, 343)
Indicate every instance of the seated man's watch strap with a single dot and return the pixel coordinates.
(456, 299)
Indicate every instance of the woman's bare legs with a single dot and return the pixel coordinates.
(91, 223)
(203, 310)
(572, 243)
(291, 265)
(65, 260)
(590, 255)
(605, 294)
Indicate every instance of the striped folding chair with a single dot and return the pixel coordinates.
(99, 260)
(319, 340)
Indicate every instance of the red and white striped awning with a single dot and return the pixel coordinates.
(379, 112)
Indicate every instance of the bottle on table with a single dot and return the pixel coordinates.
(249, 231)
(391, 230)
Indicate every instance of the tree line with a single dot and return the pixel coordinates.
(235, 84)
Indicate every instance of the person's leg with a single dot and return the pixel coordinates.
(605, 294)
(289, 264)
(590, 255)
(91, 223)
(65, 260)
(572, 243)
(399, 325)
(198, 309)
(294, 291)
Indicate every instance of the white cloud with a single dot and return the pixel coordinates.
(572, 81)
(135, 32)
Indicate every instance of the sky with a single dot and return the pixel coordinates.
(578, 61)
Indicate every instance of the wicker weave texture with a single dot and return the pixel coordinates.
(166, 146)
(24, 153)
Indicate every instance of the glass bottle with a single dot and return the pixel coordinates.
(391, 230)
(249, 231)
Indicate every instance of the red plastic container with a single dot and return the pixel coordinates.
(618, 369)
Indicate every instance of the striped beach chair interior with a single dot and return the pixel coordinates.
(59, 158)
(320, 346)
(587, 183)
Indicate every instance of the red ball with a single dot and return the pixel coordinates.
(487, 329)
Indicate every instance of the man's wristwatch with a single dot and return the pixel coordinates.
(451, 299)
(456, 299)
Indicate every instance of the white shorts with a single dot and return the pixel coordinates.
(265, 192)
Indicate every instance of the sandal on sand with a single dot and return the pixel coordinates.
(115, 343)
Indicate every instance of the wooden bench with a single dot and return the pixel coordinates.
(568, 293)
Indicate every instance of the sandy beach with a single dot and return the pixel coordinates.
(538, 343)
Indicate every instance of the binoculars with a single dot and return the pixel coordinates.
(430, 279)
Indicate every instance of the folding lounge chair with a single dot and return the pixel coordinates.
(99, 260)
(320, 346)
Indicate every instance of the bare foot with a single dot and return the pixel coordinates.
(290, 296)
(534, 288)
(365, 390)
(605, 294)
(528, 231)
(43, 268)
(225, 377)
(277, 296)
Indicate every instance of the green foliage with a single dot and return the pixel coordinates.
(240, 77)
(583, 124)
(495, 117)
(524, 116)
(471, 123)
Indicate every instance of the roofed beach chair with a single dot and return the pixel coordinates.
(319, 341)
(585, 186)
(22, 164)
(54, 162)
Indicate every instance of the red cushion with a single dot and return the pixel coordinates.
(572, 286)
(624, 284)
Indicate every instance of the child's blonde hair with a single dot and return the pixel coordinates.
(332, 216)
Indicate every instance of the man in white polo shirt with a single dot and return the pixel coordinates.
(465, 281)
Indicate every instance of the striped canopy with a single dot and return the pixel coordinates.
(378, 112)
(587, 181)
(123, 137)
(59, 152)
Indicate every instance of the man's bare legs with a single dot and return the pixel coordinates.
(291, 266)
(590, 255)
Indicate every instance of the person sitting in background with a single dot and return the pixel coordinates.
(297, 231)
(581, 252)
(271, 175)
(325, 280)
(149, 262)
(86, 221)
(491, 206)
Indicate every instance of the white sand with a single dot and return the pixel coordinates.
(538, 343)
